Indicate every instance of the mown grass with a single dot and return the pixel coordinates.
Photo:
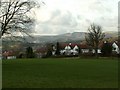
(60, 73)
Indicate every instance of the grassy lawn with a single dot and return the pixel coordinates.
(60, 73)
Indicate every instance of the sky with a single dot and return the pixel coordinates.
(67, 16)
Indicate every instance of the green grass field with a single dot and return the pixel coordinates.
(60, 73)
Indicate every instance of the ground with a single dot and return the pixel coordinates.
(60, 73)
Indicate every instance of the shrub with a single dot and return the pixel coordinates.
(106, 49)
(87, 55)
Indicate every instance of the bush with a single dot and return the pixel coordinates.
(106, 49)
(87, 55)
(63, 56)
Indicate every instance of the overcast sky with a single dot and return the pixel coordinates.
(65, 16)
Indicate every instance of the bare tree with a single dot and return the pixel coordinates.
(94, 37)
(14, 17)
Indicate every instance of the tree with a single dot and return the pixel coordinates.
(106, 49)
(94, 37)
(79, 50)
(49, 49)
(29, 52)
(57, 49)
(14, 17)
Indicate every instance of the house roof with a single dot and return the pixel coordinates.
(76, 47)
(72, 45)
(117, 43)
(83, 45)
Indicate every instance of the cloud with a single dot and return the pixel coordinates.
(63, 16)
(59, 23)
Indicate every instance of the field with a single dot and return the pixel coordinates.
(60, 73)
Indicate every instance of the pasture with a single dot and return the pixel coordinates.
(60, 73)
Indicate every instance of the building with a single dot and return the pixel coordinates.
(8, 55)
(116, 47)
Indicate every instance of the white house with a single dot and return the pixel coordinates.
(76, 47)
(75, 50)
(98, 51)
(115, 48)
(11, 57)
(69, 51)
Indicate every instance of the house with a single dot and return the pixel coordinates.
(9, 55)
(116, 47)
(67, 50)
(84, 48)
(73, 49)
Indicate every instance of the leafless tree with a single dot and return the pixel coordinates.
(94, 37)
(14, 17)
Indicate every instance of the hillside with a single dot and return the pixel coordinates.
(67, 37)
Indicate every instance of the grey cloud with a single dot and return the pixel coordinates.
(119, 15)
(62, 19)
(43, 29)
(63, 22)
(55, 13)
(101, 7)
(109, 22)
(107, 16)
(59, 23)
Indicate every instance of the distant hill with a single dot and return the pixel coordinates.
(61, 38)
(67, 37)
(75, 36)
(37, 40)
(111, 34)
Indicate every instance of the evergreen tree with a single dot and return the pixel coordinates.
(57, 48)
(79, 50)
(29, 52)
